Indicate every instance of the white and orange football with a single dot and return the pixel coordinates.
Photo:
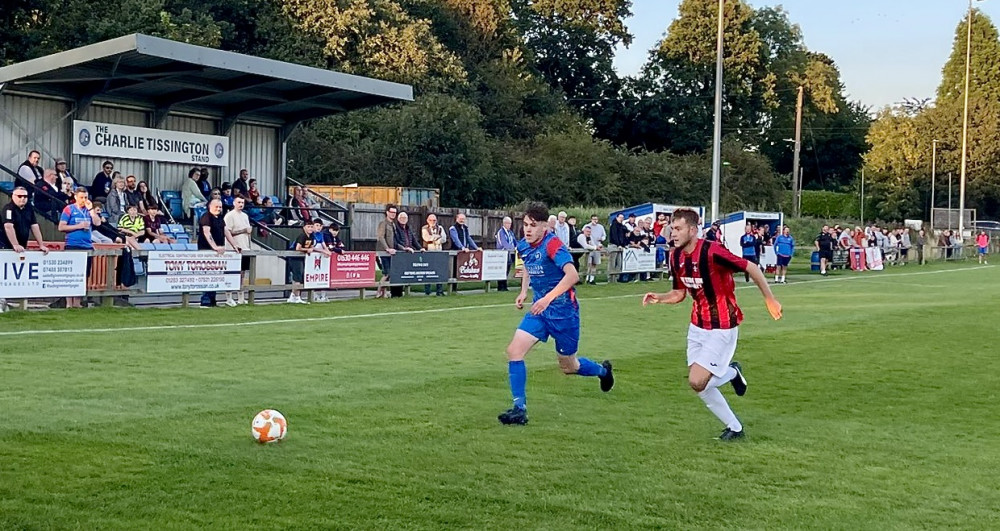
(268, 426)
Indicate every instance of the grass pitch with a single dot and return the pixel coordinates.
(871, 406)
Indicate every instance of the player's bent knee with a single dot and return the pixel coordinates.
(697, 385)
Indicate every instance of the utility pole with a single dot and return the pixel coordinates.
(965, 132)
(934, 144)
(862, 195)
(796, 174)
(949, 200)
(717, 137)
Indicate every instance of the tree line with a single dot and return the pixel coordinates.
(518, 99)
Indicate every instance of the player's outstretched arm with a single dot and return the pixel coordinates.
(773, 306)
(525, 282)
(670, 297)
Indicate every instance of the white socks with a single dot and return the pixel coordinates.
(720, 408)
(717, 403)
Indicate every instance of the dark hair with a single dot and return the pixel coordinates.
(35, 151)
(537, 212)
(131, 205)
(105, 163)
(689, 216)
(226, 186)
(193, 171)
(595, 216)
(265, 199)
(390, 206)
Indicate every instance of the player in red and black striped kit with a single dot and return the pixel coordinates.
(705, 269)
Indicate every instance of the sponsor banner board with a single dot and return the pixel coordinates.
(352, 269)
(419, 268)
(33, 274)
(180, 271)
(142, 143)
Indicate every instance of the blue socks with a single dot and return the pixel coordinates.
(518, 375)
(590, 368)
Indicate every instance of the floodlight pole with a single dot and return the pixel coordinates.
(934, 144)
(717, 137)
(965, 130)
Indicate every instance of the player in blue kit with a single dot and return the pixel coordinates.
(549, 270)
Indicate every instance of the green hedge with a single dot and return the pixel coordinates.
(825, 204)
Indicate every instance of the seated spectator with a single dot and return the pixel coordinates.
(132, 195)
(146, 198)
(48, 198)
(30, 172)
(65, 182)
(132, 226)
(117, 201)
(298, 209)
(254, 193)
(204, 184)
(191, 191)
(227, 196)
(101, 186)
(240, 185)
(154, 226)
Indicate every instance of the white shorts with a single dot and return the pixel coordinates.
(712, 349)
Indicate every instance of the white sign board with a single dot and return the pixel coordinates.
(141, 143)
(181, 271)
(317, 272)
(495, 264)
(33, 274)
(638, 260)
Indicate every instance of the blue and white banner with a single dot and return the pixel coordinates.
(142, 143)
(180, 271)
(33, 274)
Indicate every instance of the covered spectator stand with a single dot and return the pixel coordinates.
(733, 226)
(161, 90)
(650, 210)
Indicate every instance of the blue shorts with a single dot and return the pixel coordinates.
(783, 261)
(566, 332)
(982, 250)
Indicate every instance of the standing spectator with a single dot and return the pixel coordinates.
(714, 233)
(507, 241)
(844, 239)
(132, 194)
(101, 186)
(204, 184)
(253, 193)
(460, 238)
(191, 191)
(116, 201)
(385, 242)
(404, 239)
(30, 171)
(213, 235)
(239, 226)
(956, 244)
(574, 243)
(904, 245)
(944, 244)
(76, 221)
(241, 186)
(983, 246)
(630, 223)
(660, 223)
(921, 243)
(305, 243)
(332, 238)
(19, 223)
(824, 244)
(636, 240)
(587, 242)
(784, 248)
(154, 226)
(749, 244)
(562, 229)
(65, 182)
(320, 244)
(550, 225)
(434, 238)
(597, 232)
(619, 239)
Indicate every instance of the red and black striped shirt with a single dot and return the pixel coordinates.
(707, 274)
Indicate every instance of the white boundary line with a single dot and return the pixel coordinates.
(433, 310)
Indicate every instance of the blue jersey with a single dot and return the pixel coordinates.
(544, 263)
(784, 245)
(749, 244)
(74, 215)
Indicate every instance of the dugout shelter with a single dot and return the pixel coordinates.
(733, 226)
(651, 210)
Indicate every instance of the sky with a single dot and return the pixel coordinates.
(887, 50)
